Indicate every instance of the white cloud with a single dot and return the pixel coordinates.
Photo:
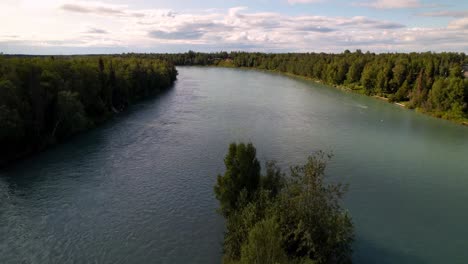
(461, 24)
(99, 8)
(292, 2)
(390, 4)
(446, 13)
(86, 26)
(93, 30)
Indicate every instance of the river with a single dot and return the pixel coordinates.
(139, 189)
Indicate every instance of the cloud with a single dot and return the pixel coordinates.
(456, 14)
(98, 8)
(237, 28)
(292, 2)
(96, 31)
(315, 29)
(390, 4)
(5, 37)
(363, 22)
(76, 8)
(177, 35)
(459, 24)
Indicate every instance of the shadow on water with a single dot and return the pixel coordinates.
(366, 252)
(74, 152)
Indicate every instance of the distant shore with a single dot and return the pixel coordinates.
(229, 64)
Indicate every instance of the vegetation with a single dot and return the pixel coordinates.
(274, 218)
(430, 82)
(44, 100)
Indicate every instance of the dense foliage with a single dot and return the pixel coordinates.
(274, 218)
(46, 99)
(430, 82)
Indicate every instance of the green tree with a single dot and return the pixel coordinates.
(71, 116)
(11, 127)
(399, 74)
(402, 93)
(368, 79)
(312, 221)
(242, 173)
(241, 221)
(456, 71)
(383, 78)
(263, 244)
(273, 181)
(9, 94)
(302, 223)
(418, 96)
(448, 96)
(354, 73)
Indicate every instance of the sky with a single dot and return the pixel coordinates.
(332, 26)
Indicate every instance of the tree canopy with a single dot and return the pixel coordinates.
(295, 218)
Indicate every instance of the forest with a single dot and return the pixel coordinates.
(44, 100)
(278, 218)
(432, 83)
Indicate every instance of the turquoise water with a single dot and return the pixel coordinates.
(139, 188)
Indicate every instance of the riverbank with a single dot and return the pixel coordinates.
(45, 101)
(460, 121)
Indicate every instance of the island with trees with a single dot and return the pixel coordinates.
(282, 218)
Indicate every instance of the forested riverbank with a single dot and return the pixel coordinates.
(433, 83)
(44, 100)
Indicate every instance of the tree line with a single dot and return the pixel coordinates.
(430, 82)
(44, 100)
(279, 218)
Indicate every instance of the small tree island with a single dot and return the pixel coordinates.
(280, 218)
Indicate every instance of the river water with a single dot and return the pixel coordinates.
(139, 189)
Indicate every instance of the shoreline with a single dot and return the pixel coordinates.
(462, 122)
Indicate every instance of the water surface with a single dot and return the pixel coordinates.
(139, 188)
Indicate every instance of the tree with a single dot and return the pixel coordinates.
(312, 221)
(273, 181)
(264, 244)
(402, 93)
(241, 221)
(9, 95)
(383, 78)
(448, 96)
(368, 79)
(242, 173)
(418, 96)
(11, 128)
(71, 117)
(399, 75)
(354, 73)
(456, 71)
(287, 219)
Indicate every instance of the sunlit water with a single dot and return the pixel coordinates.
(139, 188)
